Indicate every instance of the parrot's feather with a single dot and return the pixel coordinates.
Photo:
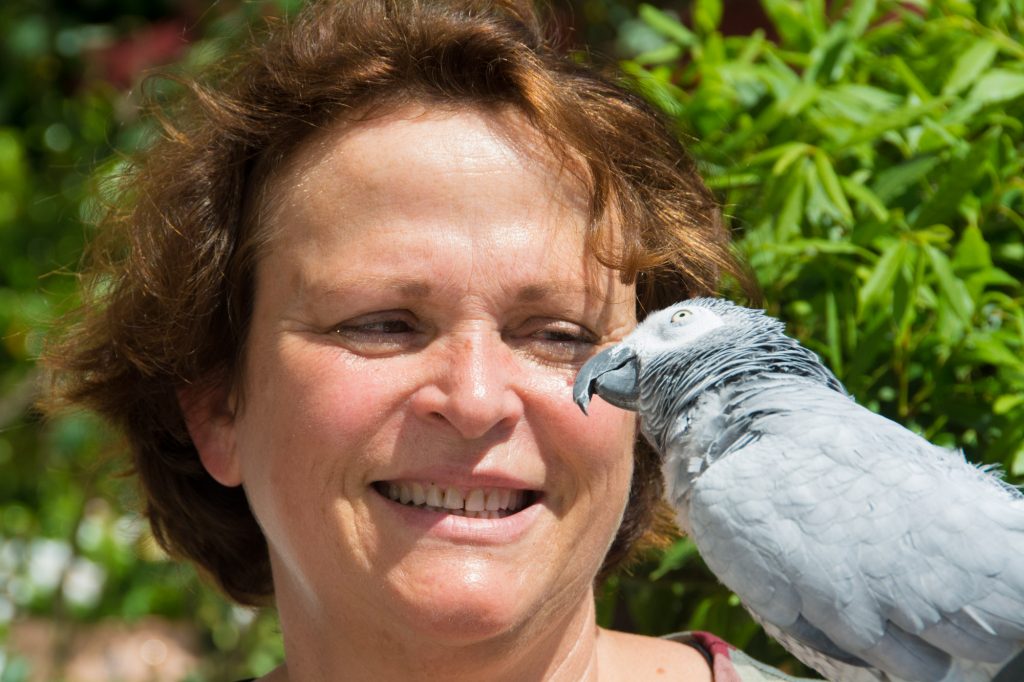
(802, 631)
(901, 653)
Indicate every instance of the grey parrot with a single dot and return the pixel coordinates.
(868, 552)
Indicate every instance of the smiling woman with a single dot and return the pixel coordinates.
(339, 310)
(437, 368)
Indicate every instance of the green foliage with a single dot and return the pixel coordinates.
(869, 157)
(73, 549)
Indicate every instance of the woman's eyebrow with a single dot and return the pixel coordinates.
(415, 288)
(411, 288)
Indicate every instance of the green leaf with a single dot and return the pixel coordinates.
(832, 186)
(731, 180)
(907, 75)
(972, 252)
(788, 220)
(779, 74)
(835, 349)
(892, 182)
(670, 52)
(13, 168)
(954, 291)
(1017, 467)
(676, 556)
(970, 65)
(789, 153)
(667, 26)
(998, 85)
(1005, 404)
(938, 234)
(991, 277)
(1011, 252)
(858, 16)
(752, 47)
(897, 119)
(812, 247)
(707, 15)
(818, 203)
(817, 21)
(829, 57)
(882, 275)
(865, 196)
(657, 91)
(772, 153)
(798, 99)
(289, 7)
(865, 98)
(957, 181)
(903, 300)
(636, 37)
(994, 352)
(713, 54)
(791, 25)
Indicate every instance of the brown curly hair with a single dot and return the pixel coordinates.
(168, 284)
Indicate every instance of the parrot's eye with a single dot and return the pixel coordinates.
(680, 315)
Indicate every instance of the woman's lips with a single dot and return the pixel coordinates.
(481, 503)
(454, 513)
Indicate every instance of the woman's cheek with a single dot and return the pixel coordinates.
(328, 390)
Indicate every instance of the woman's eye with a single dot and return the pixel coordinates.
(384, 327)
(561, 342)
(563, 336)
(378, 333)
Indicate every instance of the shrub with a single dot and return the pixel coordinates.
(868, 156)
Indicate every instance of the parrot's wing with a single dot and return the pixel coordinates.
(861, 539)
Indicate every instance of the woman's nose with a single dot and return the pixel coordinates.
(472, 387)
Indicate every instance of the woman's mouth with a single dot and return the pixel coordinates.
(476, 503)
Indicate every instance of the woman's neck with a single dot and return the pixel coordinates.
(554, 651)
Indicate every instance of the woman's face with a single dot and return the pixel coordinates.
(407, 436)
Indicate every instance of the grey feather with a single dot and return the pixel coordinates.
(869, 552)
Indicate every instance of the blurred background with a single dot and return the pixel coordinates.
(868, 155)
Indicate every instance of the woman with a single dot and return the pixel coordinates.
(339, 312)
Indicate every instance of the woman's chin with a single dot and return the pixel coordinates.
(474, 604)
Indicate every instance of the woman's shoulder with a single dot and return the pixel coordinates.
(626, 656)
(729, 664)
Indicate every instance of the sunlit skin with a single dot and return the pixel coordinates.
(422, 307)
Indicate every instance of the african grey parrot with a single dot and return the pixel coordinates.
(868, 552)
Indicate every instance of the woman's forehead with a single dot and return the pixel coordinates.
(390, 151)
(449, 140)
(418, 186)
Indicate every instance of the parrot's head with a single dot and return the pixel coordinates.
(679, 351)
(614, 374)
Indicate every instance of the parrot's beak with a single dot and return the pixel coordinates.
(612, 374)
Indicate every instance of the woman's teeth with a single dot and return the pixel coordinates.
(479, 503)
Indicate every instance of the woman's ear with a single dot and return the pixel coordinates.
(210, 417)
